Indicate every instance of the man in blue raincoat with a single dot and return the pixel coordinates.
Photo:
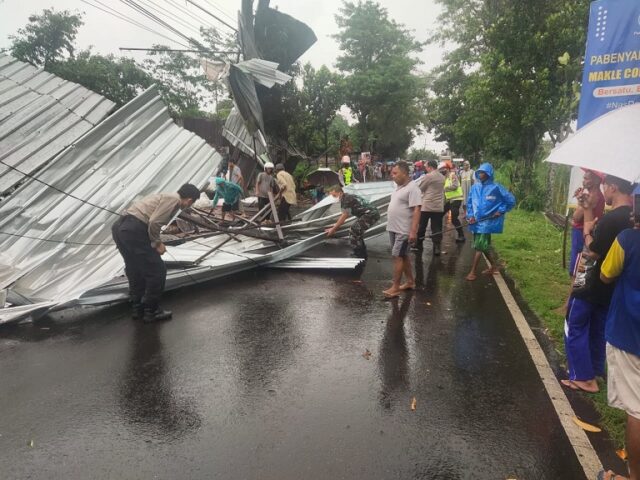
(487, 203)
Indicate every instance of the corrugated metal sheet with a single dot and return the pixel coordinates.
(40, 115)
(136, 151)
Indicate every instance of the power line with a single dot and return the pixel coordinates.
(141, 49)
(51, 240)
(119, 16)
(182, 9)
(140, 9)
(57, 189)
(212, 15)
(171, 15)
(213, 5)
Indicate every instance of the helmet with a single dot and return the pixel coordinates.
(418, 164)
(268, 165)
(346, 159)
(442, 165)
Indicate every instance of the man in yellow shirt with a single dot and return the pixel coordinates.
(288, 190)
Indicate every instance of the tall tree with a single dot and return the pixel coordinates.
(511, 79)
(381, 87)
(322, 94)
(119, 79)
(48, 38)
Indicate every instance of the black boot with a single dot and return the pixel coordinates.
(155, 315)
(436, 249)
(137, 309)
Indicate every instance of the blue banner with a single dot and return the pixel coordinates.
(611, 77)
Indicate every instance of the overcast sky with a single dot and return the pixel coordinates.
(106, 33)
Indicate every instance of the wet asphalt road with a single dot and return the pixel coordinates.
(262, 376)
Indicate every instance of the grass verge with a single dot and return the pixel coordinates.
(531, 249)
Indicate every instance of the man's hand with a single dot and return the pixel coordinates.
(160, 248)
(589, 199)
(472, 220)
(330, 231)
(496, 215)
(413, 237)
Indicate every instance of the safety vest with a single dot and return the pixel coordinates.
(346, 172)
(452, 194)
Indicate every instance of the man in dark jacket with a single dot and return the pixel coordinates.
(137, 236)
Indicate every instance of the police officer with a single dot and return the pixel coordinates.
(137, 236)
(367, 215)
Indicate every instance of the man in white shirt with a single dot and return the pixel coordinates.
(403, 218)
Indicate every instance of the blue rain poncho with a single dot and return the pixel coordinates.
(485, 199)
(229, 191)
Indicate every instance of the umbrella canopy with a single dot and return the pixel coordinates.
(323, 176)
(609, 144)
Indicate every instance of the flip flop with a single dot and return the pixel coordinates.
(574, 386)
(405, 287)
(390, 295)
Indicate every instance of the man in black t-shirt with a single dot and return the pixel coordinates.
(588, 305)
(367, 215)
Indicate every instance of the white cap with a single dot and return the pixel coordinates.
(346, 159)
(268, 165)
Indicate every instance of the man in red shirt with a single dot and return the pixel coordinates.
(589, 196)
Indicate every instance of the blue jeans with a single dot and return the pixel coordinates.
(584, 339)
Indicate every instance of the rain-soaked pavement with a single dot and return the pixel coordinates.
(262, 376)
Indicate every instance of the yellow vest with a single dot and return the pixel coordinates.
(347, 175)
(452, 194)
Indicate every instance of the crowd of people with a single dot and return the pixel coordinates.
(602, 326)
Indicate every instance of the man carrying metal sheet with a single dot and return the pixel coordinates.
(367, 215)
(137, 236)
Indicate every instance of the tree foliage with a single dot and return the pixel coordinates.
(423, 154)
(512, 78)
(381, 88)
(47, 38)
(48, 41)
(119, 79)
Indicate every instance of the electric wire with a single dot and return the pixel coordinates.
(120, 16)
(212, 15)
(161, 11)
(150, 15)
(184, 10)
(213, 5)
(57, 189)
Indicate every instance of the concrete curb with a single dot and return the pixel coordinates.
(587, 456)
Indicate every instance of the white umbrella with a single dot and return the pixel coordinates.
(609, 144)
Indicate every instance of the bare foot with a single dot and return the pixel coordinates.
(391, 293)
(407, 286)
(471, 277)
(590, 386)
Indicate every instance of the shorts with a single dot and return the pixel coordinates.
(623, 380)
(234, 207)
(399, 244)
(482, 242)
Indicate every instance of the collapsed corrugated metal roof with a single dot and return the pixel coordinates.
(40, 115)
(136, 151)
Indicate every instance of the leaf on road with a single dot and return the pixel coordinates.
(622, 454)
(366, 354)
(586, 426)
(414, 402)
(428, 303)
(30, 443)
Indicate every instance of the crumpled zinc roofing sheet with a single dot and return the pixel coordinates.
(136, 151)
(40, 115)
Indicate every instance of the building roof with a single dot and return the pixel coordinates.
(40, 115)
